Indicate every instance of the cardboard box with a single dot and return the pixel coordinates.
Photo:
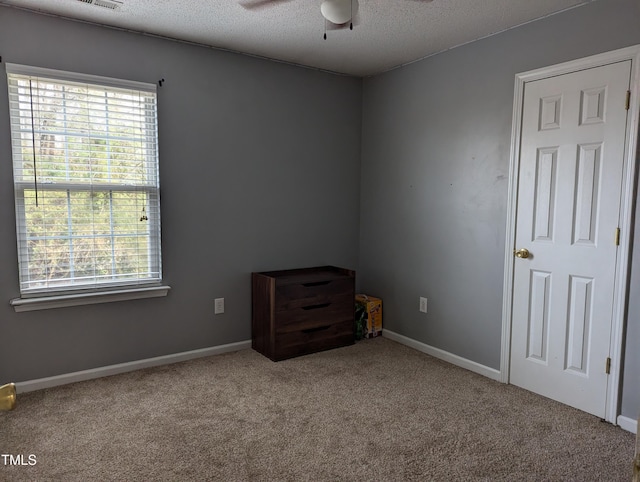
(371, 316)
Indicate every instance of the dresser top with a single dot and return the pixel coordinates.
(309, 275)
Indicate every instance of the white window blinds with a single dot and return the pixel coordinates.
(85, 169)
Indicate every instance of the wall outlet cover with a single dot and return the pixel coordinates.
(219, 306)
(423, 304)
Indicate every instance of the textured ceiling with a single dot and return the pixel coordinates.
(389, 33)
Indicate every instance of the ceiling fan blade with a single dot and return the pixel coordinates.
(259, 4)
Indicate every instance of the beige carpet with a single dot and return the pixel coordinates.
(374, 411)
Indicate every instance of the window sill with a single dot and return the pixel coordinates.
(77, 299)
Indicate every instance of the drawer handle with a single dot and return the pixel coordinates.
(319, 328)
(315, 307)
(316, 283)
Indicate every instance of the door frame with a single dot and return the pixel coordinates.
(626, 210)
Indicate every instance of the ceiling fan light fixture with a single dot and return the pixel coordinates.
(338, 11)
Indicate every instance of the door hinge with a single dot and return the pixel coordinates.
(627, 103)
(616, 238)
(607, 367)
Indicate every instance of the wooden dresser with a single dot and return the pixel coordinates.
(301, 311)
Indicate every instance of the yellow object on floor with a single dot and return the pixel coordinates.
(7, 397)
(373, 307)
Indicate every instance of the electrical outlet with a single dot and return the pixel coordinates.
(219, 306)
(423, 304)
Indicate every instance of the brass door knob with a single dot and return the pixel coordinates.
(522, 253)
(7, 397)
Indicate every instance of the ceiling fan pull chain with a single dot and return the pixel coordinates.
(351, 21)
(325, 29)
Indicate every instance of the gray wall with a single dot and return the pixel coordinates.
(435, 162)
(259, 165)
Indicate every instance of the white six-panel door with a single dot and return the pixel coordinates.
(569, 190)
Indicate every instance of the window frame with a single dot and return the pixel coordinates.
(95, 290)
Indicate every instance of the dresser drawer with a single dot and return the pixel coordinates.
(298, 295)
(311, 316)
(311, 340)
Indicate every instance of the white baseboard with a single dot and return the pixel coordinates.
(444, 355)
(41, 383)
(628, 424)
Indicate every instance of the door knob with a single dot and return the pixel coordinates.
(7, 397)
(522, 253)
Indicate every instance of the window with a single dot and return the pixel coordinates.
(85, 170)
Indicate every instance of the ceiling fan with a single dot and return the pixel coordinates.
(338, 14)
